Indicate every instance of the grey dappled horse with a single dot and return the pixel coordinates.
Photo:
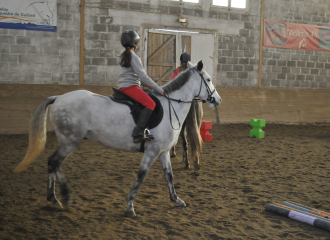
(82, 114)
(191, 131)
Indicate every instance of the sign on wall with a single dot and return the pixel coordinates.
(29, 14)
(296, 36)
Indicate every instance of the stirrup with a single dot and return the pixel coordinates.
(145, 137)
(138, 139)
(148, 136)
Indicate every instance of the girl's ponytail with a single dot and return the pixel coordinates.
(126, 58)
(183, 66)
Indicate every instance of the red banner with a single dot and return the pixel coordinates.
(296, 36)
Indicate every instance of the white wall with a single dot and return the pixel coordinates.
(203, 48)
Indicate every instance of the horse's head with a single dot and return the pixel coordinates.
(206, 91)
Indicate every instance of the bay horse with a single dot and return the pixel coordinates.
(82, 114)
(190, 132)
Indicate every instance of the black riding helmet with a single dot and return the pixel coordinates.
(185, 57)
(129, 39)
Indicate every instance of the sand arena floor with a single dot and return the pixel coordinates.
(239, 176)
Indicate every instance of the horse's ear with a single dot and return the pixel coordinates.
(200, 65)
(190, 65)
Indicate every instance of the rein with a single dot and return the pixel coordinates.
(209, 99)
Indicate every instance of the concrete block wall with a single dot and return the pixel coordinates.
(39, 57)
(238, 62)
(290, 68)
(102, 45)
(34, 57)
(238, 36)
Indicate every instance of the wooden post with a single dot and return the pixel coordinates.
(82, 41)
(261, 40)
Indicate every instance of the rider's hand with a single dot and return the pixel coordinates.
(162, 93)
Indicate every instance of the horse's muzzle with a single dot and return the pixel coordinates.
(215, 102)
(211, 100)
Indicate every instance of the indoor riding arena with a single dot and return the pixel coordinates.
(269, 61)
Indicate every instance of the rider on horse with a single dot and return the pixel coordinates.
(131, 76)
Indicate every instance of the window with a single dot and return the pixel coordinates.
(230, 3)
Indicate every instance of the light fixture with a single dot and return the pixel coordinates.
(183, 20)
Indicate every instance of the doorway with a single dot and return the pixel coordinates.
(162, 50)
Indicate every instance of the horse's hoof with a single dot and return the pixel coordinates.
(57, 204)
(197, 167)
(179, 203)
(130, 213)
(54, 201)
(187, 165)
(67, 203)
(173, 155)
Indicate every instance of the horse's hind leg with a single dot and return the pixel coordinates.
(52, 179)
(166, 165)
(55, 172)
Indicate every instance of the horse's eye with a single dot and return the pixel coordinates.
(209, 80)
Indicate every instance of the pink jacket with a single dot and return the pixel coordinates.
(177, 71)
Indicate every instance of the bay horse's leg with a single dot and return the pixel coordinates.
(184, 145)
(199, 115)
(148, 159)
(166, 165)
(197, 167)
(55, 172)
(173, 153)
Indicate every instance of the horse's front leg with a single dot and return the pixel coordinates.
(148, 159)
(166, 164)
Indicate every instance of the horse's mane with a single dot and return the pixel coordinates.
(178, 81)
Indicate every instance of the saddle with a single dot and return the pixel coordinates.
(136, 108)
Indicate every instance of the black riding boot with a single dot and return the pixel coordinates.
(139, 132)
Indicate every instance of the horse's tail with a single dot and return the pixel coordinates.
(193, 123)
(37, 136)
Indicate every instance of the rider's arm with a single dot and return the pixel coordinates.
(144, 78)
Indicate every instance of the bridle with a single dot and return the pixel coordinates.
(209, 99)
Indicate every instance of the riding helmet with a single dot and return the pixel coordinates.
(185, 57)
(129, 39)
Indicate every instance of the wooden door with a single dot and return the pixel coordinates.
(161, 57)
